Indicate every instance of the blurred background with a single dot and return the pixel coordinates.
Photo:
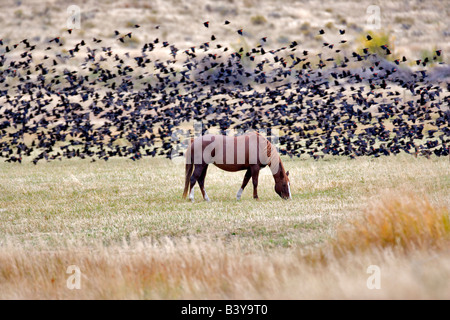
(415, 29)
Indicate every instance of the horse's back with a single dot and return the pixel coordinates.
(229, 153)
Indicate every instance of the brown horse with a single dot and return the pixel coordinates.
(250, 152)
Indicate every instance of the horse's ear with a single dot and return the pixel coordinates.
(287, 173)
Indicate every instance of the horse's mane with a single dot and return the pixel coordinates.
(273, 156)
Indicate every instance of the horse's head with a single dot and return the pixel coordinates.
(282, 185)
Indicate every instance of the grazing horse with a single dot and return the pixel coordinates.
(250, 152)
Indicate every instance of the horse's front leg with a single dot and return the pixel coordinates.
(255, 175)
(247, 177)
(194, 178)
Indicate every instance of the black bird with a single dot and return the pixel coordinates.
(324, 108)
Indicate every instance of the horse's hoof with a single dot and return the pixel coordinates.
(239, 194)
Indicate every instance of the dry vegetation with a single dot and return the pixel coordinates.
(404, 223)
(414, 26)
(127, 229)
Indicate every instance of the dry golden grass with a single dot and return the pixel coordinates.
(125, 226)
(203, 268)
(404, 223)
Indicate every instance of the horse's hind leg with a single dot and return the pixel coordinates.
(247, 177)
(194, 178)
(255, 175)
(201, 183)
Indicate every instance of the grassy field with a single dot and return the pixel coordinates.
(126, 228)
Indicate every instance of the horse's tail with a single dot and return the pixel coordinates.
(189, 169)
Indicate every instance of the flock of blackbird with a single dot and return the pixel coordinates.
(87, 101)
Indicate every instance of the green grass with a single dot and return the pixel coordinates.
(128, 219)
(80, 200)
